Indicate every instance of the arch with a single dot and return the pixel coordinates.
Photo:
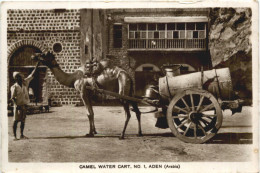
(141, 67)
(22, 56)
(145, 74)
(189, 67)
(22, 43)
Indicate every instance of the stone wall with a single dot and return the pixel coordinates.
(230, 46)
(47, 27)
(39, 20)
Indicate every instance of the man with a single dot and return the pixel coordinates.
(20, 98)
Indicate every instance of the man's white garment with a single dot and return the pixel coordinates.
(21, 94)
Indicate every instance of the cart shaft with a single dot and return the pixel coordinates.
(119, 96)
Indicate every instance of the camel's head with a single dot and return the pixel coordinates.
(93, 67)
(46, 58)
(88, 67)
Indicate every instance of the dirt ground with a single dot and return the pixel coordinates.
(58, 136)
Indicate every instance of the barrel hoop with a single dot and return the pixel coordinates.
(168, 87)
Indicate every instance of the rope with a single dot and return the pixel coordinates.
(155, 110)
(219, 91)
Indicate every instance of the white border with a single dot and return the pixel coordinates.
(73, 167)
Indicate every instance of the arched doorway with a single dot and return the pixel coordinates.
(146, 74)
(21, 61)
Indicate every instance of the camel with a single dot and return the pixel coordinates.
(95, 74)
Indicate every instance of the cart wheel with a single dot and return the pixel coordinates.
(194, 116)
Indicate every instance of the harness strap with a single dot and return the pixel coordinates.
(95, 83)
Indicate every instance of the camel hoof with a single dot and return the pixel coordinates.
(89, 135)
(121, 137)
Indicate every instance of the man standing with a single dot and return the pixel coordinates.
(20, 98)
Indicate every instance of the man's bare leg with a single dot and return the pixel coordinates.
(23, 124)
(14, 129)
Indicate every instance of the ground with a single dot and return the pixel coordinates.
(58, 136)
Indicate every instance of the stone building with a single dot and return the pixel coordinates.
(31, 31)
(138, 40)
(142, 40)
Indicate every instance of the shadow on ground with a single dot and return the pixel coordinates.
(232, 138)
(105, 136)
(222, 138)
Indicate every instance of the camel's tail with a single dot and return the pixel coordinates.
(131, 87)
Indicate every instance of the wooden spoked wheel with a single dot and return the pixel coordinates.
(194, 116)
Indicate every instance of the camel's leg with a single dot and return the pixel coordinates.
(93, 125)
(90, 113)
(128, 116)
(138, 116)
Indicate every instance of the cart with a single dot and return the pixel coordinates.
(190, 104)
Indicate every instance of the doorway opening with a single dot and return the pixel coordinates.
(21, 61)
(145, 75)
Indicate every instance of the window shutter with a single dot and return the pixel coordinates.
(117, 36)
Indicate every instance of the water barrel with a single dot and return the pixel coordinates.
(216, 81)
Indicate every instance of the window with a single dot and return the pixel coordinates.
(195, 34)
(180, 26)
(117, 36)
(132, 27)
(190, 26)
(169, 35)
(142, 26)
(161, 26)
(150, 34)
(156, 34)
(57, 48)
(170, 26)
(190, 35)
(175, 34)
(137, 34)
(152, 26)
(200, 26)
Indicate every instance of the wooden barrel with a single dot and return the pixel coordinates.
(216, 81)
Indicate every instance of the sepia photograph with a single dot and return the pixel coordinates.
(111, 87)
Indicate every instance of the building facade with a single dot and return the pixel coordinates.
(138, 40)
(142, 40)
